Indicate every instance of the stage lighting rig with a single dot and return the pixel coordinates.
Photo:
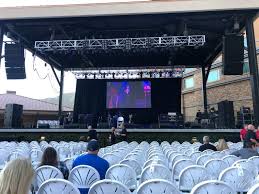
(124, 44)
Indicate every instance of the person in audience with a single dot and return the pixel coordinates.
(250, 135)
(257, 134)
(92, 159)
(206, 145)
(82, 138)
(247, 152)
(112, 137)
(16, 177)
(50, 157)
(122, 134)
(243, 133)
(92, 134)
(222, 145)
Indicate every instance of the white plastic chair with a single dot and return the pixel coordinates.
(123, 173)
(213, 187)
(230, 159)
(46, 172)
(254, 189)
(111, 158)
(157, 186)
(247, 164)
(191, 176)
(240, 179)
(108, 187)
(215, 167)
(156, 171)
(255, 159)
(179, 166)
(133, 164)
(83, 176)
(60, 186)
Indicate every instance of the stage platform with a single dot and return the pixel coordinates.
(61, 130)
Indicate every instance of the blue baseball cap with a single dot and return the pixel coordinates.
(93, 145)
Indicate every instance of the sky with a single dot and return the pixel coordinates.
(34, 86)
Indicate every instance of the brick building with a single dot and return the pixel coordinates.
(219, 87)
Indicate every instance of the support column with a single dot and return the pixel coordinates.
(1, 40)
(61, 93)
(204, 90)
(254, 77)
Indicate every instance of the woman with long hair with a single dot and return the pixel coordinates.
(16, 177)
(222, 145)
(50, 157)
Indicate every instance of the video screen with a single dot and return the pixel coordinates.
(128, 94)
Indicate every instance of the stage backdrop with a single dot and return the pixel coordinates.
(165, 97)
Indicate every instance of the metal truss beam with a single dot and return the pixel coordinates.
(121, 43)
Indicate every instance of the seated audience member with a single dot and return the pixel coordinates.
(206, 145)
(50, 157)
(16, 177)
(250, 135)
(92, 134)
(247, 152)
(92, 159)
(243, 133)
(222, 145)
(82, 138)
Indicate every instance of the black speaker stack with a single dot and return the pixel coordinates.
(13, 116)
(226, 114)
(14, 61)
(233, 54)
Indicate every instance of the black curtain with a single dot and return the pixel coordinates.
(90, 97)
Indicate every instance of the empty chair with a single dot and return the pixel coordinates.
(201, 160)
(157, 186)
(249, 165)
(195, 155)
(83, 177)
(46, 172)
(192, 175)
(123, 173)
(108, 187)
(133, 164)
(255, 159)
(254, 189)
(154, 161)
(213, 187)
(111, 158)
(215, 167)
(156, 171)
(179, 166)
(240, 179)
(230, 159)
(59, 186)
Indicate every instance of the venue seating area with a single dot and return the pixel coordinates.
(145, 168)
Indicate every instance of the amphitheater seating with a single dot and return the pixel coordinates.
(143, 167)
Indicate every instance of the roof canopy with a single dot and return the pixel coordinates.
(120, 20)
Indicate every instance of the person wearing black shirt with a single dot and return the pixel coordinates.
(206, 145)
(112, 137)
(250, 135)
(92, 134)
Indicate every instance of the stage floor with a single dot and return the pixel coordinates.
(61, 130)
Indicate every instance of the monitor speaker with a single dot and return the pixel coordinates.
(226, 114)
(233, 54)
(14, 61)
(13, 116)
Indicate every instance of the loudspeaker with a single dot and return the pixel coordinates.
(14, 61)
(233, 54)
(226, 114)
(13, 116)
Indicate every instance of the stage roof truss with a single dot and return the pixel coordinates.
(121, 43)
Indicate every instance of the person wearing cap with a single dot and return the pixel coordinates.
(92, 159)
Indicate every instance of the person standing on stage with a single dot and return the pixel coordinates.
(243, 133)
